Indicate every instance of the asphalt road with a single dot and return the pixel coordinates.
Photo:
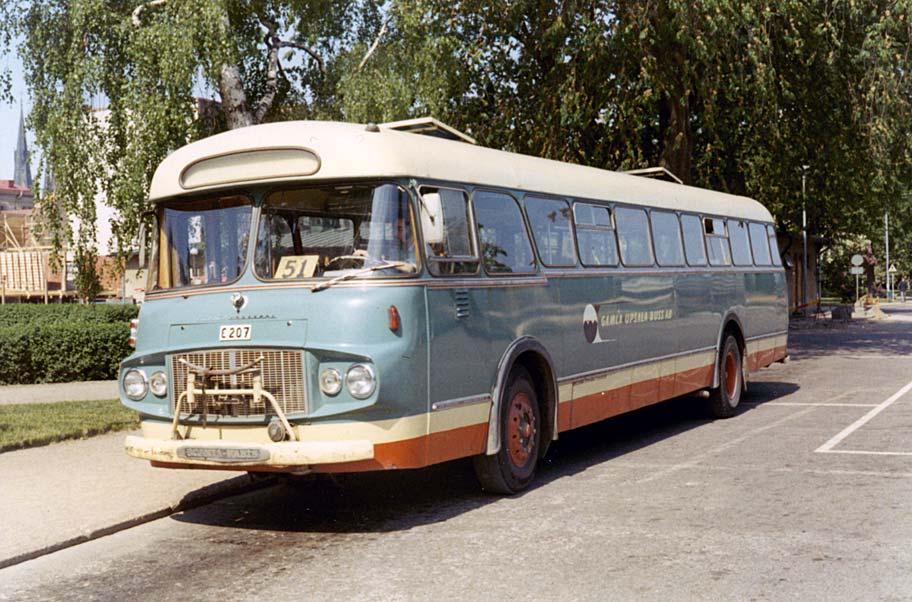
(805, 495)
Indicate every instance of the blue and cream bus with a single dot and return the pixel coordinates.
(330, 297)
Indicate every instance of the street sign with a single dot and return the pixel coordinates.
(856, 270)
(892, 268)
(857, 260)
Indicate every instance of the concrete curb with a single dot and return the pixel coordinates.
(207, 495)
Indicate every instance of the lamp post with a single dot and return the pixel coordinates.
(887, 246)
(804, 237)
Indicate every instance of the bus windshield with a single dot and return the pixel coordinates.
(352, 230)
(202, 242)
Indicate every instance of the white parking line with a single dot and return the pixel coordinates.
(794, 404)
(829, 445)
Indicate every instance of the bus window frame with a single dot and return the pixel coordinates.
(522, 215)
(549, 197)
(699, 217)
(613, 229)
(473, 240)
(706, 236)
(746, 225)
(762, 226)
(645, 209)
(261, 206)
(655, 255)
(776, 257)
(165, 240)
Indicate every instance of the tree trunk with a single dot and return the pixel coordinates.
(234, 99)
(677, 140)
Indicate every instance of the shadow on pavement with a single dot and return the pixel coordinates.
(883, 337)
(400, 500)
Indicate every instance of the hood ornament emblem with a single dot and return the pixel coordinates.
(239, 302)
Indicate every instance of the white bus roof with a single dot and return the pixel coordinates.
(302, 151)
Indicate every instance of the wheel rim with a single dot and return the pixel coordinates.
(731, 375)
(521, 430)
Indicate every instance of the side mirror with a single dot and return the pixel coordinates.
(141, 236)
(142, 244)
(432, 217)
(787, 262)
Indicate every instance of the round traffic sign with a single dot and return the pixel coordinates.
(857, 260)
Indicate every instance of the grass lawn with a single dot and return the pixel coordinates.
(35, 424)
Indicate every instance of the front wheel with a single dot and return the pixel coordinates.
(512, 469)
(724, 400)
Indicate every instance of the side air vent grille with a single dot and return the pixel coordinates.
(461, 296)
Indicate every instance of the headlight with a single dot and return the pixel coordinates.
(330, 381)
(361, 381)
(135, 385)
(158, 384)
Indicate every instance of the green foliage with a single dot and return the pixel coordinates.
(35, 424)
(86, 277)
(17, 314)
(62, 343)
(729, 95)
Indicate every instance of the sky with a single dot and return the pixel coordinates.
(9, 118)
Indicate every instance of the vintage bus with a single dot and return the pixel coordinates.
(332, 297)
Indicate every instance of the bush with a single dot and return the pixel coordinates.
(28, 313)
(63, 343)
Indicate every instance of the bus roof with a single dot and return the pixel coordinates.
(302, 151)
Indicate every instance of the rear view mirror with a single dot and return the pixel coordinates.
(432, 218)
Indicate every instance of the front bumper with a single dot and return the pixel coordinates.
(240, 454)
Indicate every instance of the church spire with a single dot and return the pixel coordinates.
(22, 172)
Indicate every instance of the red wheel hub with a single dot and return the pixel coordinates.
(731, 374)
(521, 430)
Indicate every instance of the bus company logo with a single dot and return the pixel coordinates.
(591, 324)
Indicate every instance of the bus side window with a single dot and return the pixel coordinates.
(716, 241)
(666, 236)
(455, 253)
(737, 234)
(633, 236)
(505, 244)
(550, 222)
(693, 240)
(760, 244)
(595, 235)
(774, 246)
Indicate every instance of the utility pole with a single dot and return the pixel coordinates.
(804, 236)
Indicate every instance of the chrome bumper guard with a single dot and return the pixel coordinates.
(256, 391)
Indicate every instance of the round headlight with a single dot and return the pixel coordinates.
(330, 381)
(361, 381)
(158, 384)
(135, 385)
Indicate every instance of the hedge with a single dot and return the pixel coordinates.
(63, 343)
(27, 313)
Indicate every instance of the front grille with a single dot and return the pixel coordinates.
(282, 372)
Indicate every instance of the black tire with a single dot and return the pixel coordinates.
(512, 469)
(724, 399)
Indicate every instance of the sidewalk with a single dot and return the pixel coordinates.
(86, 391)
(61, 494)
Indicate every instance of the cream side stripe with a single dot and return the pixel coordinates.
(636, 374)
(447, 420)
(383, 431)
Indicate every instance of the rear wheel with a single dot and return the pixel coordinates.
(724, 400)
(512, 468)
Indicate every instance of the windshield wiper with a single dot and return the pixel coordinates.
(403, 266)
